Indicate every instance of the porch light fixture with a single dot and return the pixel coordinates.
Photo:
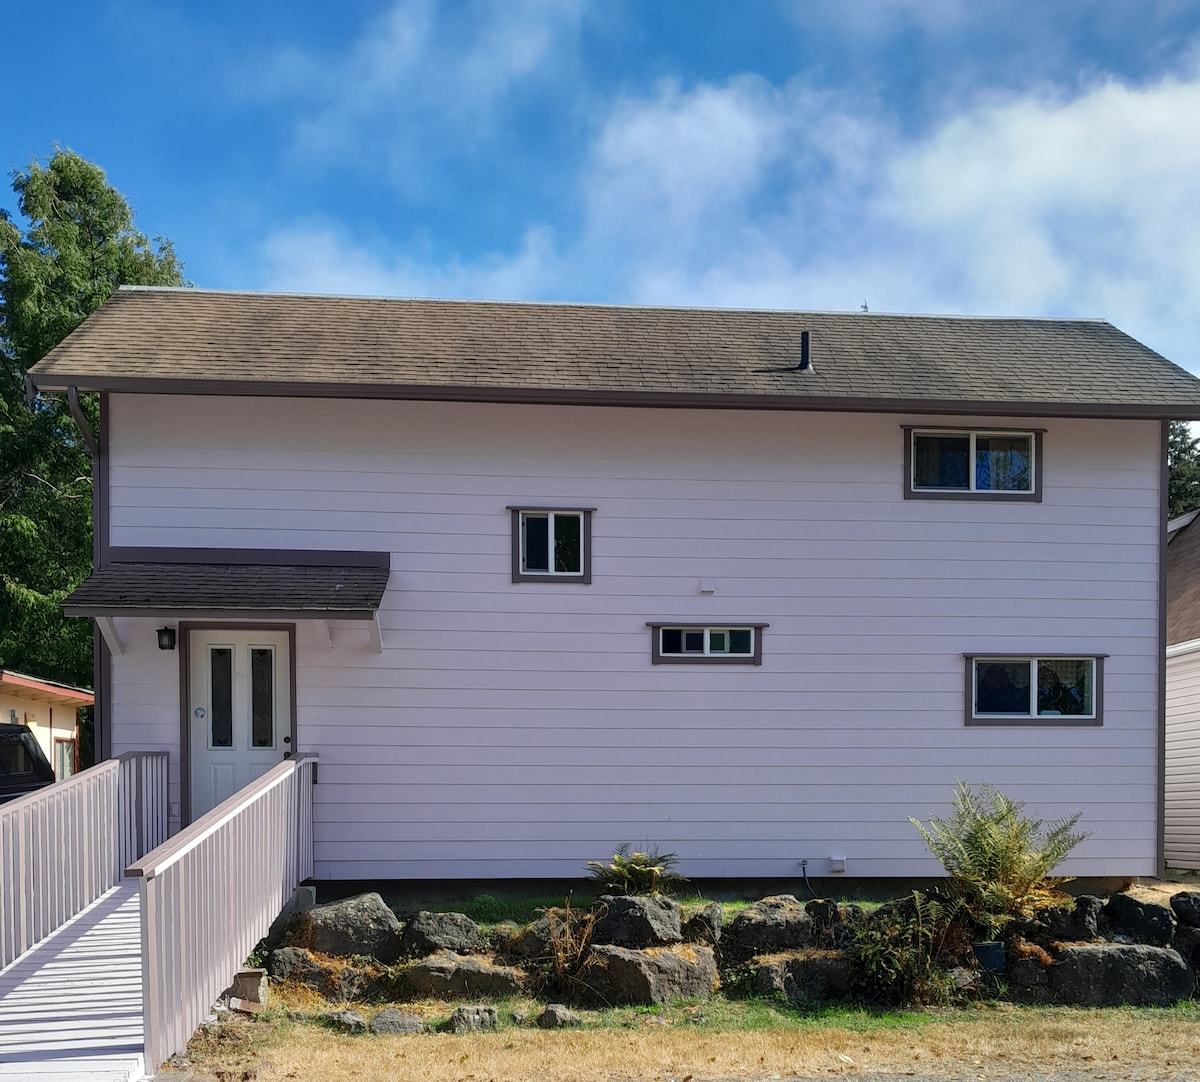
(166, 638)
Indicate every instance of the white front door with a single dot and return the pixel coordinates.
(239, 692)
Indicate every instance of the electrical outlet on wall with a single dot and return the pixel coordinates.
(837, 862)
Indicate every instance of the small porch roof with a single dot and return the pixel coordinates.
(180, 584)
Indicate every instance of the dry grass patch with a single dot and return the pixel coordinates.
(1008, 1041)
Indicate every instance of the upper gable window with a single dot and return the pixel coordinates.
(552, 544)
(946, 463)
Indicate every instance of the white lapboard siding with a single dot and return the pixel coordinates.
(520, 729)
(1181, 833)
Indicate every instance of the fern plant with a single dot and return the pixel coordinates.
(999, 860)
(635, 872)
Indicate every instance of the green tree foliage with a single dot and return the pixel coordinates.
(1183, 470)
(78, 246)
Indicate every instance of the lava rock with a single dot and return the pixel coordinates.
(810, 978)
(660, 975)
(775, 924)
(636, 922)
(472, 1020)
(1143, 922)
(448, 974)
(556, 1016)
(362, 925)
(705, 926)
(1112, 975)
(425, 933)
(346, 1021)
(393, 1020)
(1186, 906)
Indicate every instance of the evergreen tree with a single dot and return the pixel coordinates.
(78, 247)
(1183, 470)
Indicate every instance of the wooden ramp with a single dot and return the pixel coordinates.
(71, 1008)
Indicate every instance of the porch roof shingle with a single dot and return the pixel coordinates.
(280, 590)
(209, 342)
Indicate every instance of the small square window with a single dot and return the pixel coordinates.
(1034, 690)
(551, 544)
(947, 464)
(699, 644)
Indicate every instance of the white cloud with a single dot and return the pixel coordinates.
(424, 80)
(316, 257)
(755, 195)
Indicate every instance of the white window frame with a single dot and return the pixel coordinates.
(1095, 718)
(972, 492)
(706, 656)
(520, 573)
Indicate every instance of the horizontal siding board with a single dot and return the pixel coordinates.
(502, 715)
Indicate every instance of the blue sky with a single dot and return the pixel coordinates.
(965, 156)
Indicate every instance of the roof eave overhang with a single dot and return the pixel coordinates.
(56, 382)
(167, 612)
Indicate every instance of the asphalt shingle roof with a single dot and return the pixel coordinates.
(146, 588)
(181, 340)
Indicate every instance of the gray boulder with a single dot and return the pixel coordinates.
(1186, 906)
(617, 975)
(1143, 922)
(472, 1020)
(337, 983)
(346, 1021)
(448, 974)
(705, 926)
(1187, 943)
(1028, 980)
(1112, 975)
(532, 942)
(362, 925)
(775, 924)
(810, 978)
(425, 933)
(556, 1016)
(636, 923)
(393, 1020)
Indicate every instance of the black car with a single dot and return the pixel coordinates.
(24, 767)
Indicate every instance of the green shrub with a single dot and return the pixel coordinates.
(637, 873)
(897, 956)
(999, 860)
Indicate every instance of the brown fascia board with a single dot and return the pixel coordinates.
(120, 554)
(57, 382)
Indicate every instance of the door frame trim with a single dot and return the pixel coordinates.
(186, 627)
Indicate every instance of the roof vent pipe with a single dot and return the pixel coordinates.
(805, 364)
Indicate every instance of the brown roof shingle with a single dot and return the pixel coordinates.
(188, 340)
(336, 592)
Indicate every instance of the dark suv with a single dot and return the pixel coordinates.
(23, 765)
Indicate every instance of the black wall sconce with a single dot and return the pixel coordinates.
(166, 638)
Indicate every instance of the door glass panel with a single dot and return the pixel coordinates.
(262, 697)
(220, 665)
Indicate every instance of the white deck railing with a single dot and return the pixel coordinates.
(210, 894)
(63, 846)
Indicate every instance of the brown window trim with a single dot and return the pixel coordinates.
(1043, 721)
(584, 578)
(657, 657)
(911, 493)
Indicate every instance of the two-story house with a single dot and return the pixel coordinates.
(537, 579)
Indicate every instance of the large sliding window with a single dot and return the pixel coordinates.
(1027, 690)
(972, 464)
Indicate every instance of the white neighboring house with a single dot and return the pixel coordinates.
(533, 580)
(1182, 764)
